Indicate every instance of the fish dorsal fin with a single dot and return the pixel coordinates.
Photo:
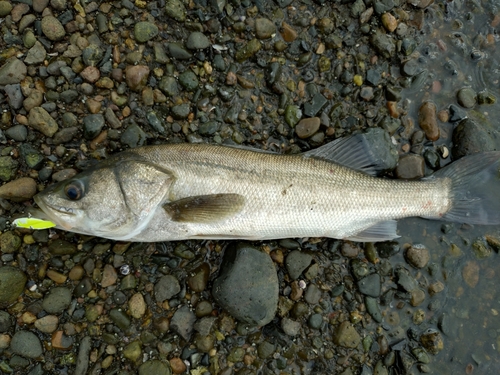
(353, 152)
(205, 208)
(381, 231)
(143, 185)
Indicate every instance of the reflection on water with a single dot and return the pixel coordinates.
(467, 311)
(460, 51)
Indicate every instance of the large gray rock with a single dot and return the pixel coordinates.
(247, 286)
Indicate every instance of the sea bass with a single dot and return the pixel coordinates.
(200, 191)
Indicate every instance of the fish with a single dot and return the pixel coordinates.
(186, 191)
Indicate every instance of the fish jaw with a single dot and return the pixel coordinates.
(65, 218)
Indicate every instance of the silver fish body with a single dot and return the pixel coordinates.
(197, 191)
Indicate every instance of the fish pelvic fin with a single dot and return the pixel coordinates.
(475, 182)
(381, 231)
(205, 209)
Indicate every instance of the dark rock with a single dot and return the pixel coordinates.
(247, 285)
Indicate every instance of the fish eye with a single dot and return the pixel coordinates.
(74, 190)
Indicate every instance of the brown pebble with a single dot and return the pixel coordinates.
(436, 287)
(137, 77)
(231, 79)
(90, 74)
(417, 297)
(443, 115)
(427, 119)
(307, 127)
(178, 366)
(56, 277)
(99, 140)
(18, 11)
(4, 341)
(28, 317)
(418, 256)
(109, 276)
(93, 106)
(389, 21)
(47, 324)
(76, 273)
(19, 190)
(297, 291)
(137, 306)
(288, 33)
(393, 109)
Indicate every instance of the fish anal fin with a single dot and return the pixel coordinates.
(381, 231)
(356, 152)
(205, 208)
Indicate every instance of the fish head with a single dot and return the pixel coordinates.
(112, 200)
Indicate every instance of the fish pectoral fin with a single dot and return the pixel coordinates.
(353, 152)
(205, 208)
(381, 231)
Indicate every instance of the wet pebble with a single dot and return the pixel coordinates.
(56, 300)
(427, 118)
(370, 285)
(136, 77)
(197, 40)
(12, 282)
(417, 255)
(19, 190)
(247, 285)
(466, 97)
(410, 167)
(472, 136)
(307, 127)
(296, 262)
(144, 31)
(264, 28)
(39, 119)
(346, 335)
(47, 324)
(290, 327)
(52, 28)
(166, 287)
(432, 341)
(15, 98)
(12, 72)
(183, 321)
(26, 344)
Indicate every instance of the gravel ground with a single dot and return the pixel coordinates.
(82, 80)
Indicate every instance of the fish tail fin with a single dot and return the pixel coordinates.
(475, 187)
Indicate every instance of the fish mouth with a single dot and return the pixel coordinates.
(53, 213)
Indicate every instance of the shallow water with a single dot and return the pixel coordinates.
(461, 50)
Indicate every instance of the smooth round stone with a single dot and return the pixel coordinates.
(466, 97)
(188, 80)
(144, 31)
(57, 300)
(26, 344)
(52, 28)
(264, 28)
(417, 255)
(12, 282)
(247, 285)
(197, 40)
(307, 127)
